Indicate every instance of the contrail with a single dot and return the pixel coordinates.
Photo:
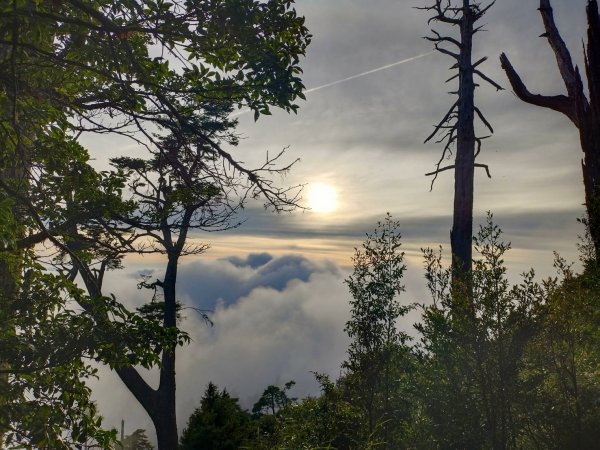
(368, 72)
(353, 77)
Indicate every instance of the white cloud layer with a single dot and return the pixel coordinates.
(275, 319)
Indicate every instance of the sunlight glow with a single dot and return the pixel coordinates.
(322, 198)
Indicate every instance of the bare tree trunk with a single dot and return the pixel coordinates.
(458, 128)
(575, 105)
(590, 130)
(158, 403)
(461, 236)
(166, 425)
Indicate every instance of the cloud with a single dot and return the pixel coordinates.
(253, 260)
(534, 225)
(269, 337)
(205, 284)
(275, 319)
(366, 136)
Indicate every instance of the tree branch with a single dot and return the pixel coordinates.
(560, 103)
(439, 38)
(443, 169)
(144, 394)
(484, 166)
(442, 122)
(489, 80)
(484, 120)
(569, 74)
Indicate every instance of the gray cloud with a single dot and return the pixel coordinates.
(285, 319)
(253, 260)
(366, 136)
(205, 284)
(530, 228)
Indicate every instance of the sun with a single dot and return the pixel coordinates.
(322, 198)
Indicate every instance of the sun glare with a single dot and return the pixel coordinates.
(322, 198)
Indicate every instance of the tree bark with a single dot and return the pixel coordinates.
(160, 403)
(166, 421)
(461, 236)
(584, 113)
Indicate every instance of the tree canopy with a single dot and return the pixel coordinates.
(164, 75)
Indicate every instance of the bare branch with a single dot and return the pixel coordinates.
(485, 166)
(443, 169)
(481, 61)
(569, 74)
(442, 122)
(484, 120)
(489, 80)
(441, 13)
(479, 141)
(453, 77)
(453, 166)
(439, 38)
(482, 12)
(447, 52)
(560, 103)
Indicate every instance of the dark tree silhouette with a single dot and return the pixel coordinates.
(75, 67)
(583, 112)
(218, 424)
(273, 399)
(457, 128)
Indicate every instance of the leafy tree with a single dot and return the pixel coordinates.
(273, 399)
(268, 414)
(137, 441)
(77, 67)
(218, 424)
(469, 375)
(582, 110)
(45, 401)
(560, 370)
(326, 422)
(44, 335)
(377, 354)
(32, 324)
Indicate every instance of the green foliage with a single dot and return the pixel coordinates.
(496, 367)
(507, 367)
(45, 402)
(326, 422)
(72, 68)
(471, 348)
(219, 423)
(378, 356)
(137, 441)
(273, 399)
(561, 365)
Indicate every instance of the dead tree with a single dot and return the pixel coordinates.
(457, 129)
(584, 113)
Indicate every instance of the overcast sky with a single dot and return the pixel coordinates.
(276, 283)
